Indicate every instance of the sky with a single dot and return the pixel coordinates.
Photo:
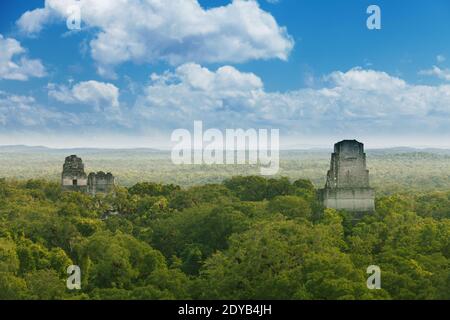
(136, 70)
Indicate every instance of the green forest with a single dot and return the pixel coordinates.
(244, 238)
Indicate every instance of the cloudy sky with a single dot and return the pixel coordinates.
(138, 69)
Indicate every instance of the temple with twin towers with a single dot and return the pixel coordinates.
(347, 186)
(74, 178)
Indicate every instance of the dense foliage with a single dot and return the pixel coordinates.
(248, 238)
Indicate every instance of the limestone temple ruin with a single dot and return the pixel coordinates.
(347, 184)
(74, 178)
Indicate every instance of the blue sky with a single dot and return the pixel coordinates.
(139, 70)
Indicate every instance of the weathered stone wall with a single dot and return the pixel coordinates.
(73, 177)
(69, 181)
(352, 199)
(347, 184)
(348, 166)
(100, 182)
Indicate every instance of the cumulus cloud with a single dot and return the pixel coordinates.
(195, 92)
(20, 113)
(443, 74)
(14, 65)
(100, 95)
(17, 111)
(23, 120)
(366, 80)
(32, 22)
(176, 31)
(355, 101)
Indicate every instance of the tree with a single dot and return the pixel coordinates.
(290, 206)
(45, 285)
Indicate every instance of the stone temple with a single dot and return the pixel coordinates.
(347, 184)
(74, 178)
(100, 182)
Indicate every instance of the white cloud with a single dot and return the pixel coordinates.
(33, 22)
(443, 74)
(356, 101)
(176, 31)
(100, 95)
(14, 65)
(22, 111)
(367, 80)
(194, 92)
